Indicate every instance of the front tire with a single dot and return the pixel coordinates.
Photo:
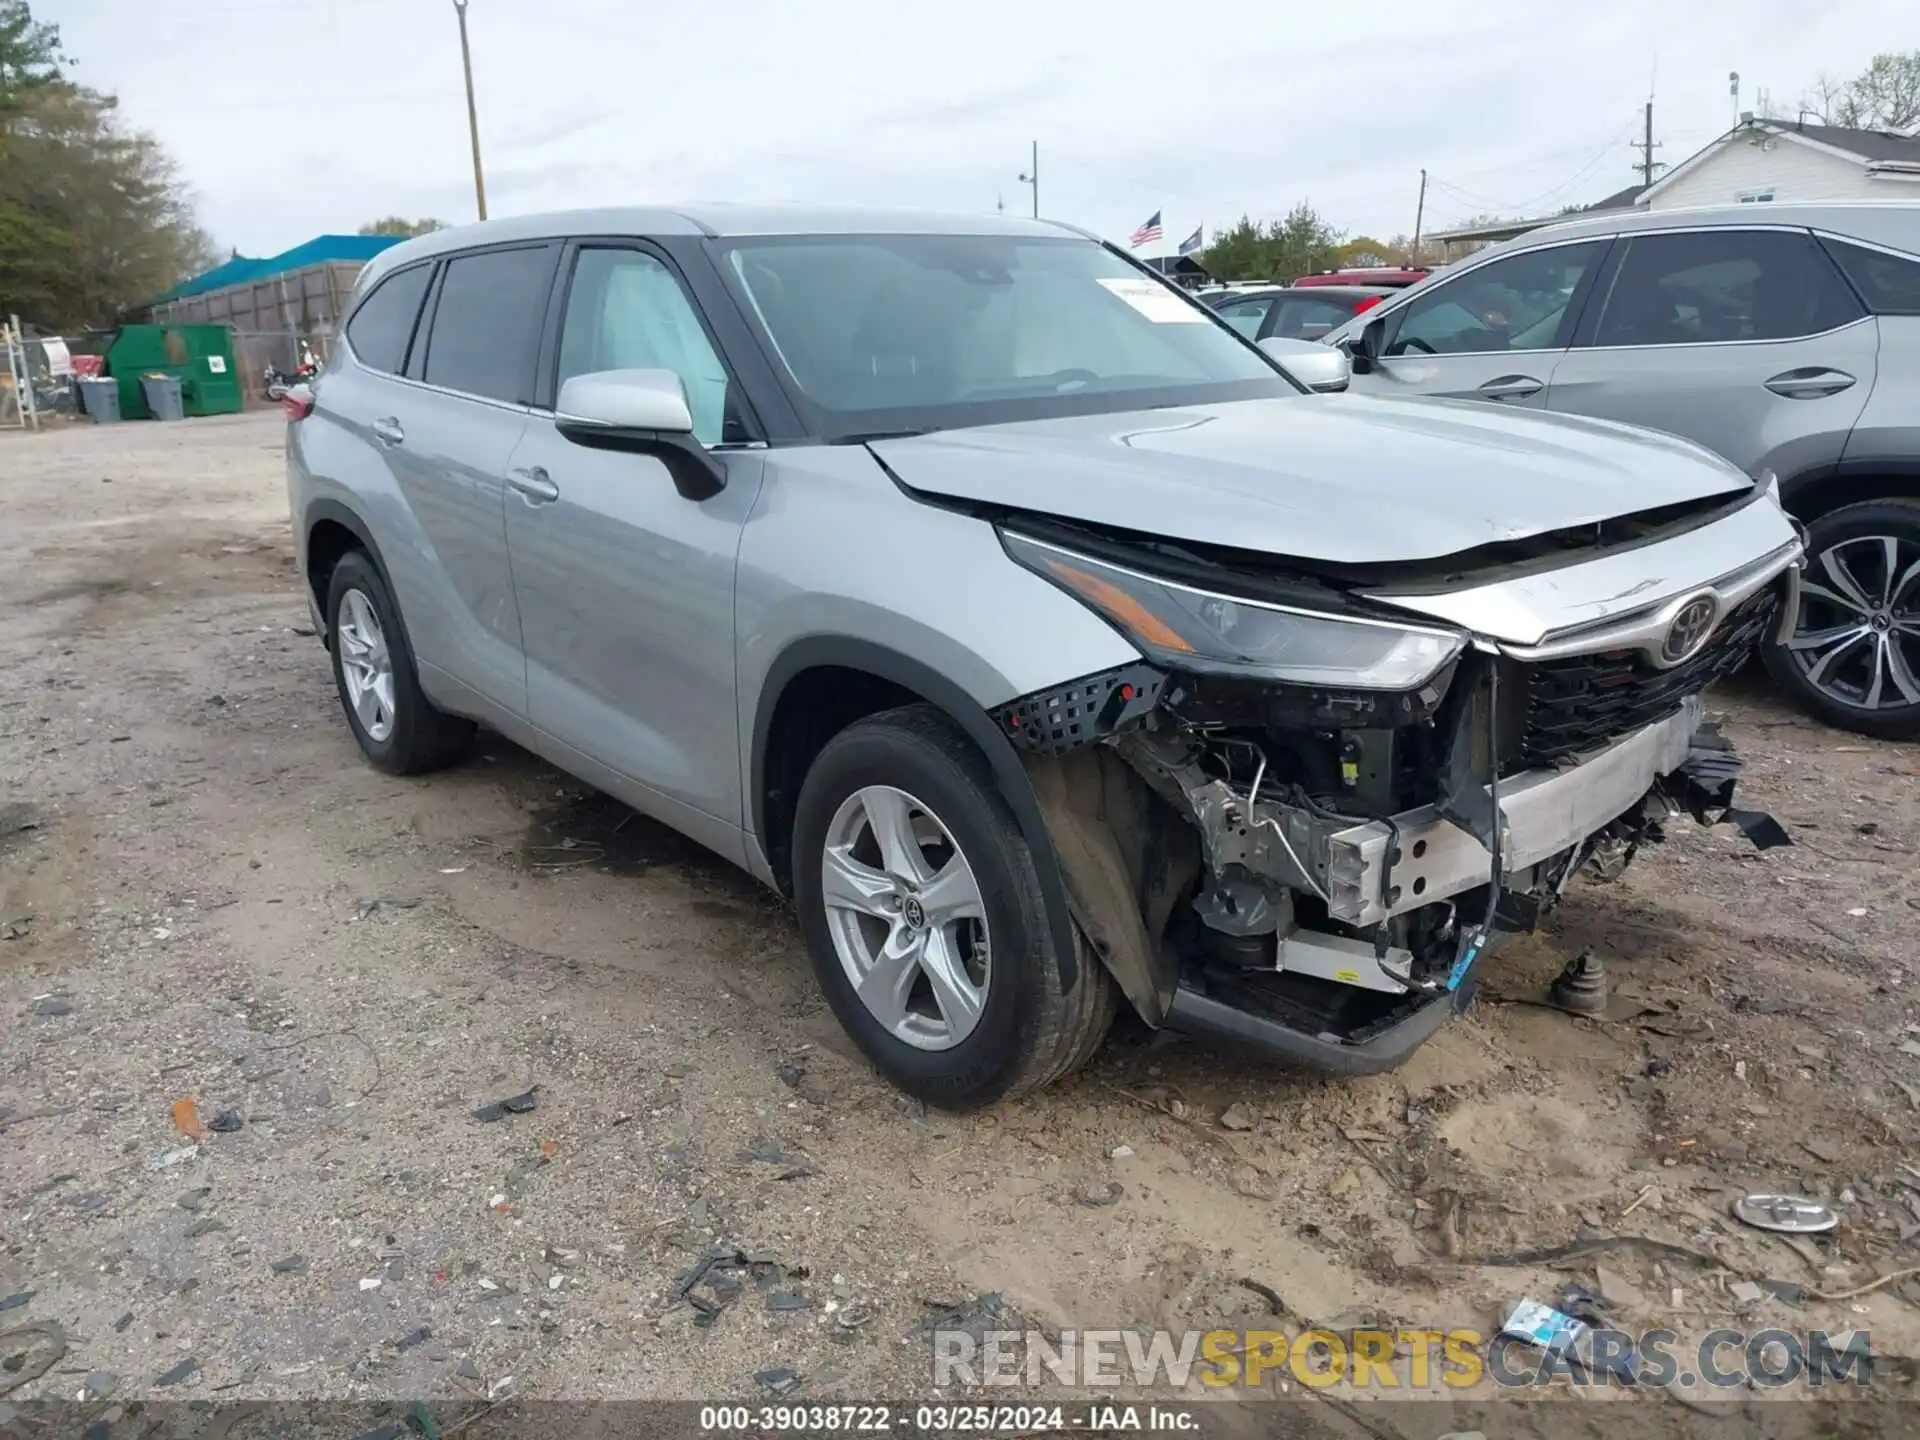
(1854, 656)
(922, 910)
(397, 727)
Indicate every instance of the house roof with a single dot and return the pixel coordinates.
(245, 270)
(1880, 151)
(1869, 145)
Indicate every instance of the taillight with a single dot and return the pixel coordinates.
(1360, 307)
(297, 402)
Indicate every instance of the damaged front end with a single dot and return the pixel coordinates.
(1301, 820)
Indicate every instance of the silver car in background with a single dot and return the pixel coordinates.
(1785, 337)
(1034, 631)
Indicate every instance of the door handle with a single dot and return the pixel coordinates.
(1512, 387)
(1810, 383)
(534, 485)
(387, 431)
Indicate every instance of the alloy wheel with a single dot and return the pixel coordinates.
(905, 912)
(366, 665)
(1857, 635)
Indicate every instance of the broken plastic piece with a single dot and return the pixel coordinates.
(1789, 1214)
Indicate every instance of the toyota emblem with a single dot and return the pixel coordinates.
(1691, 629)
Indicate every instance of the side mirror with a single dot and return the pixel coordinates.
(1364, 347)
(1324, 368)
(643, 412)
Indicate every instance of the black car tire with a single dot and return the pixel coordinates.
(1900, 520)
(421, 737)
(1030, 1032)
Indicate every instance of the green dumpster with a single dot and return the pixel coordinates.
(199, 356)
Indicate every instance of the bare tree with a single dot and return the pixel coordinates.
(1884, 96)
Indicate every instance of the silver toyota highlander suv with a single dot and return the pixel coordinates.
(1785, 337)
(1032, 629)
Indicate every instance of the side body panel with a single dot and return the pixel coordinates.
(433, 505)
(626, 595)
(834, 550)
(1886, 438)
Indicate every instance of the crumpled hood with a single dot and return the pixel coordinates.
(1348, 479)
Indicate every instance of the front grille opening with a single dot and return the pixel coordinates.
(1581, 702)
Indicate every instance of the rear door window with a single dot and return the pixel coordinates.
(1890, 284)
(1715, 287)
(382, 326)
(485, 336)
(1245, 315)
(1308, 317)
(1524, 302)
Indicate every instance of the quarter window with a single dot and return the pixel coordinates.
(382, 326)
(486, 323)
(1711, 287)
(1523, 302)
(1889, 283)
(626, 311)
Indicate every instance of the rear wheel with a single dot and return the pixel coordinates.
(923, 915)
(1853, 658)
(397, 727)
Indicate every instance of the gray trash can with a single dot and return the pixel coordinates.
(101, 398)
(163, 397)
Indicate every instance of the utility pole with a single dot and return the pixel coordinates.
(1646, 148)
(1419, 214)
(473, 115)
(1032, 178)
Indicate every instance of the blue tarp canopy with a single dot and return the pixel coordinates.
(244, 270)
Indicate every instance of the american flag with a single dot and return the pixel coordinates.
(1148, 231)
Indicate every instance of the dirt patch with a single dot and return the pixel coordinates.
(227, 905)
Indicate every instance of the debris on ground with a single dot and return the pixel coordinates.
(777, 1382)
(226, 1122)
(1581, 988)
(98, 1385)
(1098, 1197)
(375, 903)
(289, 1265)
(1788, 1214)
(766, 1152)
(167, 1159)
(186, 1119)
(16, 1300)
(50, 1006)
(1238, 1116)
(513, 1105)
(195, 1199)
(179, 1374)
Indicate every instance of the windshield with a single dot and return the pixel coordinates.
(885, 333)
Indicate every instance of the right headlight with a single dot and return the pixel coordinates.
(1194, 629)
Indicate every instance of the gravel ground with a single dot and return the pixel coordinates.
(212, 912)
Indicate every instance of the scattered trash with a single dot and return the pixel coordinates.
(371, 1282)
(554, 1282)
(454, 870)
(1544, 1326)
(1581, 988)
(16, 928)
(1098, 1197)
(16, 1300)
(781, 1301)
(289, 1265)
(186, 1119)
(777, 1382)
(852, 1317)
(1786, 1292)
(791, 1075)
(1275, 1305)
(467, 1370)
(376, 903)
(1789, 1214)
(1619, 1291)
(1745, 1292)
(1857, 911)
(1823, 1150)
(513, 1105)
(180, 1373)
(168, 1159)
(720, 1273)
(1237, 1117)
(226, 1122)
(120, 1325)
(413, 1338)
(51, 1006)
(985, 1313)
(1120, 1152)
(195, 1199)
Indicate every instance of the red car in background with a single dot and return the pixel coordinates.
(1290, 312)
(1388, 277)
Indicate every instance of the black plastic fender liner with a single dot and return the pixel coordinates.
(844, 653)
(1703, 786)
(1196, 1013)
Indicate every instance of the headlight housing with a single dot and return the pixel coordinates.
(1193, 629)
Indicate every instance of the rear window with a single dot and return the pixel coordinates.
(1890, 284)
(383, 324)
(486, 323)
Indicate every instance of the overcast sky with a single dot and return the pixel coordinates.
(291, 120)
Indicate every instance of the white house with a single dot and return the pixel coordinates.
(1757, 161)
